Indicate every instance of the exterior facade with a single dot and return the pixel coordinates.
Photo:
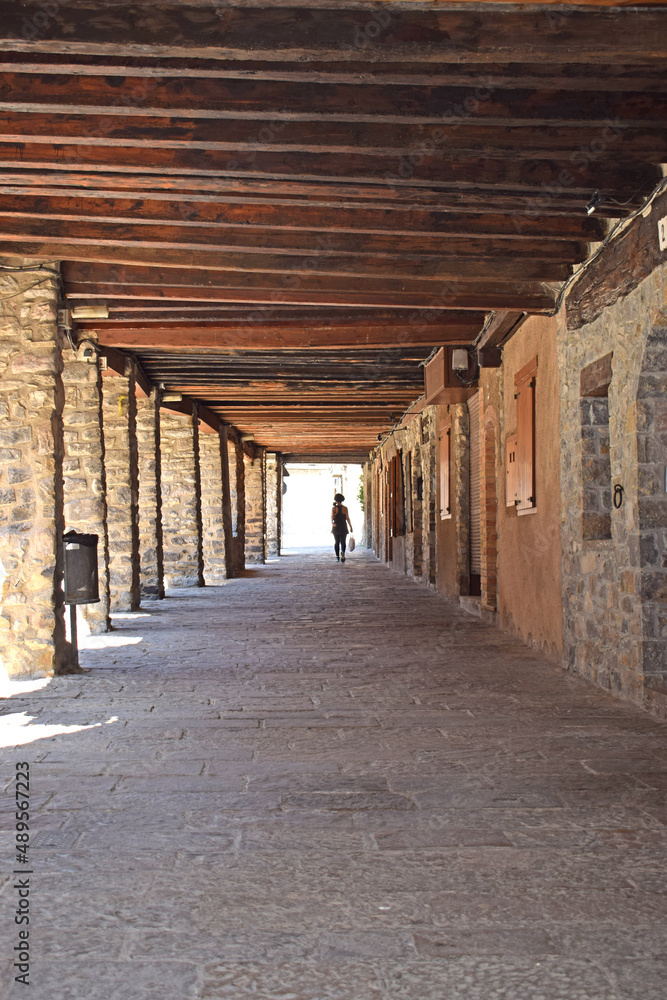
(539, 499)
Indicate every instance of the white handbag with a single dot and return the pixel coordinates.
(351, 543)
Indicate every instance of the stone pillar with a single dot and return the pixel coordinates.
(274, 503)
(150, 501)
(255, 505)
(181, 500)
(428, 470)
(417, 487)
(227, 522)
(213, 529)
(84, 473)
(119, 421)
(461, 485)
(32, 631)
(237, 502)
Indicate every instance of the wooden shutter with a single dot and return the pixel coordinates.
(475, 496)
(445, 475)
(525, 433)
(511, 478)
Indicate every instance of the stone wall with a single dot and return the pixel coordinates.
(492, 470)
(85, 501)
(32, 632)
(652, 505)
(239, 458)
(150, 500)
(223, 447)
(181, 503)
(274, 497)
(614, 595)
(415, 552)
(213, 537)
(255, 507)
(461, 487)
(122, 480)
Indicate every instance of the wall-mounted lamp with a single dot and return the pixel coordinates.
(87, 350)
(172, 397)
(460, 360)
(596, 200)
(90, 312)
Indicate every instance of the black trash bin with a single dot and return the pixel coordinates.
(81, 582)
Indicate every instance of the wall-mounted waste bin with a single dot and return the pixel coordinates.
(81, 583)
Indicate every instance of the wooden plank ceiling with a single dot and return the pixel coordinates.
(287, 207)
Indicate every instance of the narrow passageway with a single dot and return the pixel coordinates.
(323, 782)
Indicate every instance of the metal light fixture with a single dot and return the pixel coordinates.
(595, 201)
(460, 360)
(90, 312)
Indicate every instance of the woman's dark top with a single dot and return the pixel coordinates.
(339, 520)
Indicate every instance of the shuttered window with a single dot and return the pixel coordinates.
(475, 496)
(511, 478)
(524, 395)
(445, 472)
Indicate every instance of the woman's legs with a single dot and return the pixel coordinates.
(337, 546)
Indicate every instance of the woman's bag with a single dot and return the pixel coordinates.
(351, 543)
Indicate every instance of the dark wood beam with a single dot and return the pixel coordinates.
(245, 137)
(621, 176)
(433, 35)
(284, 101)
(559, 199)
(278, 338)
(501, 325)
(233, 221)
(645, 76)
(406, 252)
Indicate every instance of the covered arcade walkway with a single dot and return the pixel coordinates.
(274, 790)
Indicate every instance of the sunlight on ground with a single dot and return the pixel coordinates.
(16, 731)
(108, 641)
(10, 688)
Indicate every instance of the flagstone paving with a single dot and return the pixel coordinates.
(325, 782)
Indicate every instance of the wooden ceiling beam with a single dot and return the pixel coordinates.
(421, 255)
(621, 176)
(272, 338)
(638, 76)
(436, 35)
(243, 138)
(470, 197)
(233, 221)
(283, 101)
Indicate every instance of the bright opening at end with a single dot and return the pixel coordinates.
(308, 501)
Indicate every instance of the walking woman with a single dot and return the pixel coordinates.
(339, 521)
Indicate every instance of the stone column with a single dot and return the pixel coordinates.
(119, 421)
(274, 498)
(237, 502)
(84, 473)
(428, 470)
(255, 505)
(150, 501)
(32, 631)
(227, 516)
(213, 528)
(181, 500)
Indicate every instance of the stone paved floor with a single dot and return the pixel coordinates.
(323, 782)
